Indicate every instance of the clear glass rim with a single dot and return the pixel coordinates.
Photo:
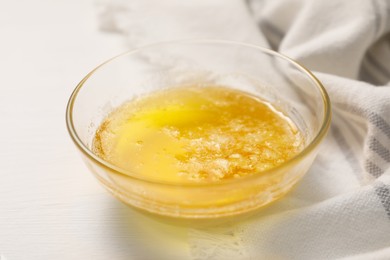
(309, 148)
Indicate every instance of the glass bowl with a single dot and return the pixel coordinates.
(253, 69)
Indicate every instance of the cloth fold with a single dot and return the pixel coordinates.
(341, 208)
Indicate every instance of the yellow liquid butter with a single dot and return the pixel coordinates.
(196, 134)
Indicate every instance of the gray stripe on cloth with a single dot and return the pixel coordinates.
(380, 123)
(346, 150)
(383, 192)
(379, 149)
(373, 169)
(377, 121)
(374, 118)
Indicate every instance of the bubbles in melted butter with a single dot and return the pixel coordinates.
(197, 134)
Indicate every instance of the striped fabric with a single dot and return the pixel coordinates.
(341, 209)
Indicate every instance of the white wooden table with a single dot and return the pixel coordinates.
(51, 207)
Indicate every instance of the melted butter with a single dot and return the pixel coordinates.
(197, 134)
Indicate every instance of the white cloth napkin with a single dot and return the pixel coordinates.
(341, 208)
